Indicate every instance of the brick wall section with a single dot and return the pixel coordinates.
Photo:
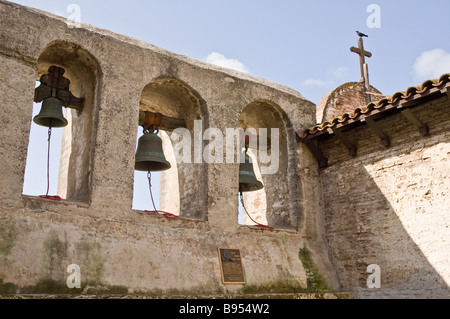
(389, 206)
(344, 99)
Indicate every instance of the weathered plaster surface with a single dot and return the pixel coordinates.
(95, 226)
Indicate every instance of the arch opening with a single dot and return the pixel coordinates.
(182, 189)
(275, 204)
(72, 147)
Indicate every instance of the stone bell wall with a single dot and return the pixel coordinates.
(94, 226)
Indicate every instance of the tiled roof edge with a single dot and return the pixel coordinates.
(383, 103)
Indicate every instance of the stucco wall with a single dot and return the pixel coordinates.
(96, 227)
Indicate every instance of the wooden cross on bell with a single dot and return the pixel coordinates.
(54, 93)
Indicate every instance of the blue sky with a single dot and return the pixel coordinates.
(304, 45)
(301, 44)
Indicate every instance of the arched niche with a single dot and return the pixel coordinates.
(255, 202)
(83, 71)
(183, 188)
(275, 160)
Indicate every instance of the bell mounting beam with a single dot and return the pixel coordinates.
(169, 124)
(165, 123)
(54, 84)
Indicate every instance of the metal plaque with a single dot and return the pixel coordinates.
(231, 266)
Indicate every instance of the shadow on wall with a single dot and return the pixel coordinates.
(390, 211)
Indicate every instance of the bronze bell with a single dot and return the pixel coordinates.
(247, 177)
(149, 155)
(51, 114)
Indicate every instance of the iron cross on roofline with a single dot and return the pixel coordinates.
(364, 68)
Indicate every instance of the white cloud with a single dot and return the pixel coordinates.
(220, 60)
(338, 72)
(432, 64)
(334, 73)
(314, 82)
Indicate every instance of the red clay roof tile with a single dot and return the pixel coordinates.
(412, 93)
